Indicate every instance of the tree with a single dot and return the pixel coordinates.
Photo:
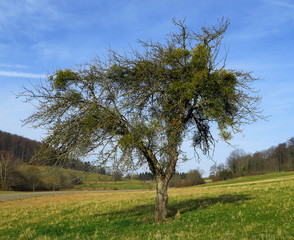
(237, 161)
(116, 175)
(137, 108)
(225, 175)
(8, 166)
(219, 173)
(194, 177)
(33, 177)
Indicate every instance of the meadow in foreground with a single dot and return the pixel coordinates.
(251, 208)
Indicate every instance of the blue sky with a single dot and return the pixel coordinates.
(40, 36)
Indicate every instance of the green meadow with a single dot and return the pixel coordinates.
(124, 184)
(90, 181)
(255, 207)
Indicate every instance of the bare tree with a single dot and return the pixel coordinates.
(137, 108)
(237, 161)
(8, 163)
(33, 177)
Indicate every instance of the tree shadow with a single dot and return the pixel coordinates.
(202, 203)
(183, 206)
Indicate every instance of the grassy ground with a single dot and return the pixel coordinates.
(251, 208)
(252, 179)
(85, 176)
(6, 192)
(124, 184)
(94, 181)
(98, 181)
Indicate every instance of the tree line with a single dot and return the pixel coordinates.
(192, 178)
(21, 147)
(19, 161)
(14, 175)
(27, 151)
(179, 179)
(239, 163)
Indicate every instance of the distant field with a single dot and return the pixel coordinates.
(48, 170)
(256, 207)
(124, 184)
(252, 179)
(95, 181)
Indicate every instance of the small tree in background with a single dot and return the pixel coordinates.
(220, 173)
(116, 175)
(237, 162)
(33, 177)
(138, 108)
(53, 181)
(225, 175)
(8, 168)
(194, 178)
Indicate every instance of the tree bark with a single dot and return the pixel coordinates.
(161, 199)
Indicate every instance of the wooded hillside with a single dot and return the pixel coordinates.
(24, 149)
(239, 163)
(21, 147)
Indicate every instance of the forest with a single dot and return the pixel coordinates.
(239, 163)
(21, 147)
(25, 149)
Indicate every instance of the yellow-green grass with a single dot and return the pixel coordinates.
(124, 184)
(47, 171)
(93, 181)
(257, 209)
(8, 192)
(251, 179)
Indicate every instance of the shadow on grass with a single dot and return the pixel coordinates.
(183, 206)
(202, 203)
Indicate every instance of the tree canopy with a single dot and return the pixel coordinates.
(137, 108)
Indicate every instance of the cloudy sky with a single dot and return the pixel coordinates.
(40, 36)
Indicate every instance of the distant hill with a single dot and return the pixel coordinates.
(239, 163)
(23, 148)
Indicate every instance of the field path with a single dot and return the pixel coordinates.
(19, 195)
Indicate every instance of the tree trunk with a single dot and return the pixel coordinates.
(3, 176)
(161, 199)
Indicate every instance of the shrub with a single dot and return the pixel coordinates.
(222, 175)
(30, 178)
(192, 178)
(225, 174)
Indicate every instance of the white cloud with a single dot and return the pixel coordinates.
(21, 74)
(12, 66)
(280, 3)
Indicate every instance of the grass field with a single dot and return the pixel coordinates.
(124, 184)
(93, 181)
(257, 207)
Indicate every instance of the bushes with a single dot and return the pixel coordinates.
(194, 178)
(184, 180)
(31, 178)
(222, 175)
